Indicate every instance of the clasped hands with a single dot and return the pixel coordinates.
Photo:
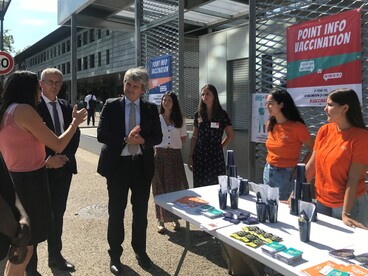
(56, 161)
(134, 138)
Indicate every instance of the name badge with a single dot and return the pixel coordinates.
(215, 125)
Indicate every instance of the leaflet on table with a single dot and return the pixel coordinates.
(190, 202)
(330, 268)
(214, 224)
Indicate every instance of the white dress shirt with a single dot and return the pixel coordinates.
(51, 111)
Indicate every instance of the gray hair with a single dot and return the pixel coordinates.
(138, 74)
(51, 71)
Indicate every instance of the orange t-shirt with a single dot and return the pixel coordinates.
(335, 150)
(284, 143)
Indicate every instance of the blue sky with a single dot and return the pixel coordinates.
(30, 20)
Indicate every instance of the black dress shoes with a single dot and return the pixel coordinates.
(60, 263)
(115, 268)
(143, 260)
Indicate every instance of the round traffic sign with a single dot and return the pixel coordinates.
(6, 63)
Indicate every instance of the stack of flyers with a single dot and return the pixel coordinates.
(289, 256)
(213, 213)
(272, 248)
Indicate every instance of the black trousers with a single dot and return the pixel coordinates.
(59, 185)
(91, 115)
(128, 175)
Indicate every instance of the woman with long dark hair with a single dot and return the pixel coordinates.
(23, 136)
(339, 161)
(206, 156)
(169, 168)
(287, 133)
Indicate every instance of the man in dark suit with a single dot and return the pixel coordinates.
(129, 127)
(57, 115)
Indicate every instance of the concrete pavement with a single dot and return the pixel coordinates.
(85, 225)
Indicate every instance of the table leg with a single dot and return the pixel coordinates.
(228, 259)
(187, 235)
(187, 245)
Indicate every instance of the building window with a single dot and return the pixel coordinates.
(68, 67)
(68, 45)
(63, 68)
(91, 35)
(79, 64)
(79, 41)
(98, 34)
(85, 40)
(92, 61)
(85, 63)
(63, 48)
(99, 59)
(107, 56)
(59, 49)
(107, 32)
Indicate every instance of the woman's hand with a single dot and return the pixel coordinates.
(190, 163)
(347, 220)
(79, 116)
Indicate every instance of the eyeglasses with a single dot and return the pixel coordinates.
(51, 83)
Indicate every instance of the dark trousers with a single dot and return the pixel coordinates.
(129, 174)
(91, 115)
(59, 185)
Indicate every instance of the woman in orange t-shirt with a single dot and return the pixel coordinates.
(339, 161)
(287, 133)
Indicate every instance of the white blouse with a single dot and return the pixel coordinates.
(171, 136)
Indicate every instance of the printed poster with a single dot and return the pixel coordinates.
(323, 55)
(259, 118)
(160, 77)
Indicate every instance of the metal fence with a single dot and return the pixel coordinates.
(269, 20)
(161, 32)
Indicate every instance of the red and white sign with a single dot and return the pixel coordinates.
(324, 54)
(6, 63)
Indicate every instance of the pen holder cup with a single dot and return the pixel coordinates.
(304, 230)
(234, 197)
(230, 157)
(222, 200)
(294, 208)
(244, 187)
(232, 170)
(261, 211)
(272, 212)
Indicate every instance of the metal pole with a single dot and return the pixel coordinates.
(2, 33)
(252, 83)
(138, 41)
(73, 63)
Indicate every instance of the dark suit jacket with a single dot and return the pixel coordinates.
(111, 132)
(72, 147)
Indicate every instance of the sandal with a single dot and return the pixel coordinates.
(161, 227)
(176, 225)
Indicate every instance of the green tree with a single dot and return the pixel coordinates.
(8, 41)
